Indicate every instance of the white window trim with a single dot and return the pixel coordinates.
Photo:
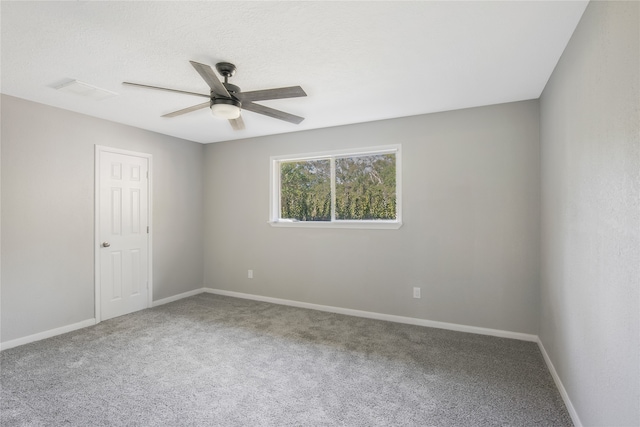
(274, 199)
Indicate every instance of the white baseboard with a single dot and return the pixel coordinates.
(177, 297)
(47, 334)
(330, 309)
(563, 392)
(380, 316)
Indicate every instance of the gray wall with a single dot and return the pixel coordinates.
(471, 222)
(48, 213)
(590, 273)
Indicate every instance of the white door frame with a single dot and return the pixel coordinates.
(96, 227)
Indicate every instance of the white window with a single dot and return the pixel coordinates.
(353, 189)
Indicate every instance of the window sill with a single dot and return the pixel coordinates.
(370, 225)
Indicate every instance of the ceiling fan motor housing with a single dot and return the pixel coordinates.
(226, 101)
(232, 89)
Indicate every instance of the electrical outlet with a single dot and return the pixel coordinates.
(250, 274)
(416, 292)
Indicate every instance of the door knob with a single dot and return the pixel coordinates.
(106, 244)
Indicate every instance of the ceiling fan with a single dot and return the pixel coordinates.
(226, 100)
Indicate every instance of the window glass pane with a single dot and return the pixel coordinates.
(366, 187)
(305, 190)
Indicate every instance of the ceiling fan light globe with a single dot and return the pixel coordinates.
(225, 110)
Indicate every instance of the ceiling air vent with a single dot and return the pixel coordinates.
(83, 89)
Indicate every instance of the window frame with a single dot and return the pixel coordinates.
(275, 199)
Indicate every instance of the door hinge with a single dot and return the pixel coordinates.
(147, 229)
(147, 174)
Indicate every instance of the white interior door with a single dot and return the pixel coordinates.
(122, 233)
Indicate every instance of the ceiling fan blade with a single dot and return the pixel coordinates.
(166, 89)
(207, 73)
(188, 110)
(237, 124)
(272, 112)
(279, 93)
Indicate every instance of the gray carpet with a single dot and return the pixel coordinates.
(217, 361)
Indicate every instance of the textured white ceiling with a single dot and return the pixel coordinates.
(358, 61)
